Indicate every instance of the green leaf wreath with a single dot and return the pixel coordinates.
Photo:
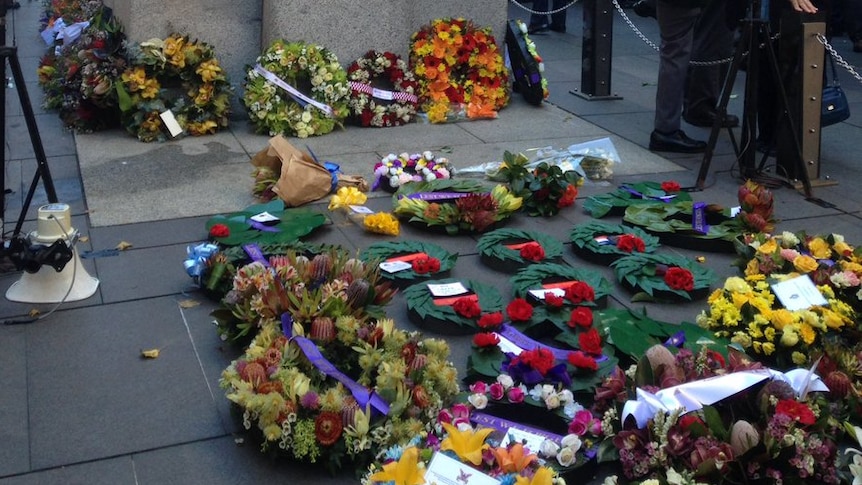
(312, 70)
(535, 276)
(494, 251)
(672, 224)
(645, 275)
(614, 203)
(442, 318)
(586, 243)
(236, 228)
(477, 212)
(384, 250)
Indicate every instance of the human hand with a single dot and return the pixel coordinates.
(803, 6)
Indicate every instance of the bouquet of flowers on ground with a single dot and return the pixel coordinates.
(394, 171)
(545, 188)
(340, 387)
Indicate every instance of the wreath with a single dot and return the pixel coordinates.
(457, 314)
(656, 277)
(672, 223)
(382, 90)
(604, 243)
(512, 249)
(393, 171)
(527, 65)
(578, 287)
(614, 203)
(455, 206)
(426, 260)
(176, 75)
(296, 89)
(289, 225)
(460, 70)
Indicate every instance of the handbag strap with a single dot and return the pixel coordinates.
(834, 70)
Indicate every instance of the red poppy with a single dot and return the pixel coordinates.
(582, 361)
(519, 310)
(533, 251)
(327, 427)
(467, 307)
(491, 320)
(553, 300)
(579, 292)
(670, 186)
(679, 278)
(219, 230)
(629, 243)
(540, 359)
(800, 412)
(590, 342)
(568, 197)
(486, 339)
(581, 317)
(425, 265)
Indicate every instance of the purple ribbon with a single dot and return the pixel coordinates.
(255, 253)
(441, 195)
(262, 227)
(698, 218)
(526, 343)
(665, 198)
(362, 395)
(503, 426)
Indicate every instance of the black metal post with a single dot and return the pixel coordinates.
(596, 51)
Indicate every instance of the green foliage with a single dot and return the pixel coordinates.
(421, 303)
(384, 250)
(292, 225)
(493, 245)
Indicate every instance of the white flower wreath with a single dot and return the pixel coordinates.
(273, 93)
(373, 106)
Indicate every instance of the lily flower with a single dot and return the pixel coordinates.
(405, 471)
(467, 444)
(513, 459)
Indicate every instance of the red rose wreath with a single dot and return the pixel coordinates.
(382, 90)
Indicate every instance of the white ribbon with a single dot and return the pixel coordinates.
(692, 396)
(269, 76)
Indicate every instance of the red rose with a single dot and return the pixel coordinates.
(800, 412)
(533, 251)
(519, 310)
(568, 197)
(219, 230)
(579, 292)
(486, 339)
(467, 307)
(590, 342)
(491, 320)
(553, 300)
(679, 278)
(581, 317)
(629, 243)
(582, 361)
(670, 186)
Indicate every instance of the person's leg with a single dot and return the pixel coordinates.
(558, 19)
(539, 22)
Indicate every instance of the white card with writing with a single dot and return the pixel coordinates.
(448, 289)
(798, 293)
(171, 123)
(395, 266)
(361, 209)
(540, 293)
(445, 470)
(531, 441)
(264, 218)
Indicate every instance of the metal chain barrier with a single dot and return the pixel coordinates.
(536, 12)
(837, 57)
(634, 27)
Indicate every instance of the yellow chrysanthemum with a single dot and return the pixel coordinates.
(808, 333)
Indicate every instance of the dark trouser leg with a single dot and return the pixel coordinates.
(677, 30)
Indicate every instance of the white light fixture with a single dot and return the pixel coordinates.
(73, 283)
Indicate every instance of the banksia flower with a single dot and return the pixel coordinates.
(839, 384)
(319, 268)
(357, 293)
(322, 330)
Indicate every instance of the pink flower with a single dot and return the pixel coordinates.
(445, 416)
(515, 395)
(497, 391)
(479, 387)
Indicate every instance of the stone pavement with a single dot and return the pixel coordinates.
(78, 405)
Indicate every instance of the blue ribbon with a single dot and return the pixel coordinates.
(196, 258)
(334, 169)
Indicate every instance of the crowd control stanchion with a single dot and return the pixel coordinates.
(596, 51)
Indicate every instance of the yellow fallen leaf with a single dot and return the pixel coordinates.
(189, 303)
(84, 239)
(124, 245)
(150, 354)
(700, 259)
(34, 312)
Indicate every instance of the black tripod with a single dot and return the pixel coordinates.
(42, 171)
(755, 35)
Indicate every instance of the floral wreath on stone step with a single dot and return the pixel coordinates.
(658, 277)
(509, 250)
(405, 262)
(296, 89)
(382, 90)
(177, 75)
(461, 71)
(393, 171)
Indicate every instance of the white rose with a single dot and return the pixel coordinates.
(571, 441)
(566, 457)
(430, 177)
(566, 396)
(479, 401)
(506, 380)
(393, 181)
(552, 401)
(404, 156)
(547, 390)
(428, 155)
(549, 449)
(306, 116)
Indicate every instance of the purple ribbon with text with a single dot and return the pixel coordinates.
(503, 425)
(526, 343)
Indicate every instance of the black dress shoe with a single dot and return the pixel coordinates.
(644, 8)
(707, 119)
(537, 29)
(676, 142)
(558, 28)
